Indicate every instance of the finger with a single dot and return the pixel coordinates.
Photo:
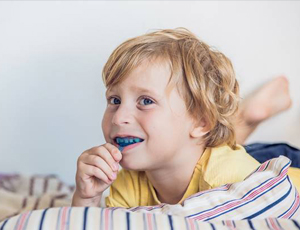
(100, 163)
(105, 154)
(93, 171)
(115, 152)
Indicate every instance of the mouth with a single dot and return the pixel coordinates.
(125, 141)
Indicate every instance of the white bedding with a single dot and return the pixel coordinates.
(265, 200)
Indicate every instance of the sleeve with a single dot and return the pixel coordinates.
(123, 190)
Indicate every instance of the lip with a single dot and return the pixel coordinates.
(125, 135)
(128, 147)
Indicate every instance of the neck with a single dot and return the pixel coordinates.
(172, 180)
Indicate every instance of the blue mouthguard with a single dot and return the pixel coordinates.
(121, 148)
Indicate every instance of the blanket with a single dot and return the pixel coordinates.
(266, 199)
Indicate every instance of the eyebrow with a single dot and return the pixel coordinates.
(140, 90)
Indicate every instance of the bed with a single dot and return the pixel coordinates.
(266, 199)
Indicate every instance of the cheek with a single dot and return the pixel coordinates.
(157, 125)
(106, 125)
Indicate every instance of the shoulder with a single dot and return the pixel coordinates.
(224, 165)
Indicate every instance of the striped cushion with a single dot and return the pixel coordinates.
(75, 218)
(267, 197)
(267, 192)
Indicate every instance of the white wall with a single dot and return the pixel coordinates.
(52, 54)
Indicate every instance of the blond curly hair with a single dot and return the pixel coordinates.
(204, 76)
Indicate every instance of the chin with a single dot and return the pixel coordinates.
(131, 166)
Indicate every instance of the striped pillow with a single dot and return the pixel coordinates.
(267, 196)
(267, 192)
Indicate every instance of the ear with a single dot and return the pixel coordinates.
(200, 129)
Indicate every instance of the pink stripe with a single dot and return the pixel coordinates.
(274, 224)
(148, 208)
(263, 166)
(249, 197)
(222, 188)
(296, 204)
(20, 226)
(149, 220)
(106, 218)
(229, 224)
(233, 204)
(63, 218)
(191, 223)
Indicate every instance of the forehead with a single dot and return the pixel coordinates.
(149, 77)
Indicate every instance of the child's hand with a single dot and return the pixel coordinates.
(97, 168)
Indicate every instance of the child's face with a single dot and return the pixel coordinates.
(161, 120)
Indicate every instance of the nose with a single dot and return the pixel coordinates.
(123, 115)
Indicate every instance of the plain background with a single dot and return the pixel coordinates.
(52, 54)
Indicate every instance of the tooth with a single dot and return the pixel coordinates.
(137, 140)
(119, 140)
(126, 141)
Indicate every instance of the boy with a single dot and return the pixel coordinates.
(171, 100)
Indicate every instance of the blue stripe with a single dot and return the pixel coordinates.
(248, 201)
(260, 185)
(267, 165)
(27, 219)
(294, 212)
(58, 219)
(243, 204)
(222, 189)
(278, 223)
(212, 226)
(251, 225)
(186, 223)
(296, 224)
(111, 218)
(144, 221)
(101, 219)
(42, 219)
(233, 223)
(128, 220)
(286, 166)
(271, 205)
(268, 224)
(68, 220)
(170, 222)
(291, 205)
(18, 222)
(5, 222)
(86, 209)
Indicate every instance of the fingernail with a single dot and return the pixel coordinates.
(114, 176)
(120, 148)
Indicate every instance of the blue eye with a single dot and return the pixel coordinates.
(114, 100)
(147, 101)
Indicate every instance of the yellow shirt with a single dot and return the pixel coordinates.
(217, 166)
